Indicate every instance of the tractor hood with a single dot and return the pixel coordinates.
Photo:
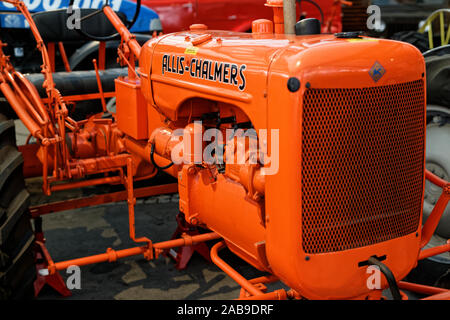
(235, 67)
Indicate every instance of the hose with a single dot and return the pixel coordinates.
(152, 159)
(389, 277)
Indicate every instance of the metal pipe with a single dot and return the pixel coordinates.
(126, 35)
(439, 208)
(434, 251)
(131, 200)
(439, 296)
(58, 206)
(112, 255)
(99, 85)
(265, 279)
(435, 179)
(86, 183)
(290, 16)
(186, 241)
(420, 288)
(40, 116)
(244, 283)
(274, 295)
(20, 110)
(143, 151)
(62, 51)
(435, 216)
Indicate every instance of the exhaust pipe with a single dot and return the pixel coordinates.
(290, 16)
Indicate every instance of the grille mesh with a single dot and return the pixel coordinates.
(362, 165)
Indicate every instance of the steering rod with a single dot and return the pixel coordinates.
(123, 31)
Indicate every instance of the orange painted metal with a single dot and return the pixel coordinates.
(244, 283)
(64, 56)
(110, 256)
(20, 109)
(131, 109)
(439, 296)
(336, 6)
(99, 84)
(279, 294)
(86, 183)
(32, 167)
(436, 214)
(426, 253)
(51, 53)
(195, 185)
(278, 16)
(82, 97)
(148, 251)
(265, 89)
(349, 180)
(143, 192)
(420, 288)
(142, 152)
(435, 179)
(131, 201)
(260, 284)
(127, 37)
(101, 55)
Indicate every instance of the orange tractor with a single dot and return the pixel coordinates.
(302, 153)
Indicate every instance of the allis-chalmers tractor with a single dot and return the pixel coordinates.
(335, 185)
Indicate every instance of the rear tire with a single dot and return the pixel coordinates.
(438, 80)
(417, 39)
(17, 261)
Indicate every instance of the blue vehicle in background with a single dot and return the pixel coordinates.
(15, 31)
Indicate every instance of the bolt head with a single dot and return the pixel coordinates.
(293, 84)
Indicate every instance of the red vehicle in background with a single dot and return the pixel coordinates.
(237, 15)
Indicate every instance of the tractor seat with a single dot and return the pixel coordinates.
(78, 82)
(52, 25)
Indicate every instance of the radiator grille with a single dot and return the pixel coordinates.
(362, 165)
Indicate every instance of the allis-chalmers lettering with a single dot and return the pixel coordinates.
(223, 72)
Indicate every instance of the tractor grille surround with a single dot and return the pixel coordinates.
(362, 165)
